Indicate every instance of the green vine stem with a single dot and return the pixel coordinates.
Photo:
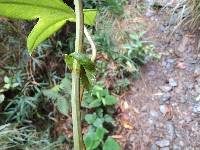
(75, 99)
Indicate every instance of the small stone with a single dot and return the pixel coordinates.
(163, 109)
(173, 82)
(170, 130)
(162, 143)
(166, 88)
(165, 97)
(196, 108)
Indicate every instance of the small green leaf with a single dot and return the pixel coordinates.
(111, 144)
(109, 100)
(2, 97)
(63, 106)
(90, 118)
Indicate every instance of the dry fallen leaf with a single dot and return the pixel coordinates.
(117, 136)
(127, 125)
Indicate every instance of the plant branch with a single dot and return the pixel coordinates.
(75, 100)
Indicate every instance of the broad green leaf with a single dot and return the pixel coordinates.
(89, 16)
(95, 103)
(62, 106)
(111, 144)
(93, 138)
(100, 132)
(109, 100)
(89, 140)
(51, 14)
(99, 135)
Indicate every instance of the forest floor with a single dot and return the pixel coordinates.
(162, 108)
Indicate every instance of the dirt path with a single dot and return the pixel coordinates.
(163, 107)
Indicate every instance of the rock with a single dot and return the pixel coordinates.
(154, 147)
(173, 82)
(163, 109)
(166, 88)
(170, 130)
(165, 97)
(162, 143)
(196, 108)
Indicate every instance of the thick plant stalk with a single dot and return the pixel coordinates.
(75, 100)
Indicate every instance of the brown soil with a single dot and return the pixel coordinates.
(161, 111)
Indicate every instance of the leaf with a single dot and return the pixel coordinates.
(95, 103)
(89, 16)
(2, 97)
(52, 16)
(62, 106)
(111, 144)
(98, 122)
(109, 100)
(84, 60)
(89, 140)
(90, 118)
(108, 119)
(93, 139)
(7, 80)
(87, 67)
